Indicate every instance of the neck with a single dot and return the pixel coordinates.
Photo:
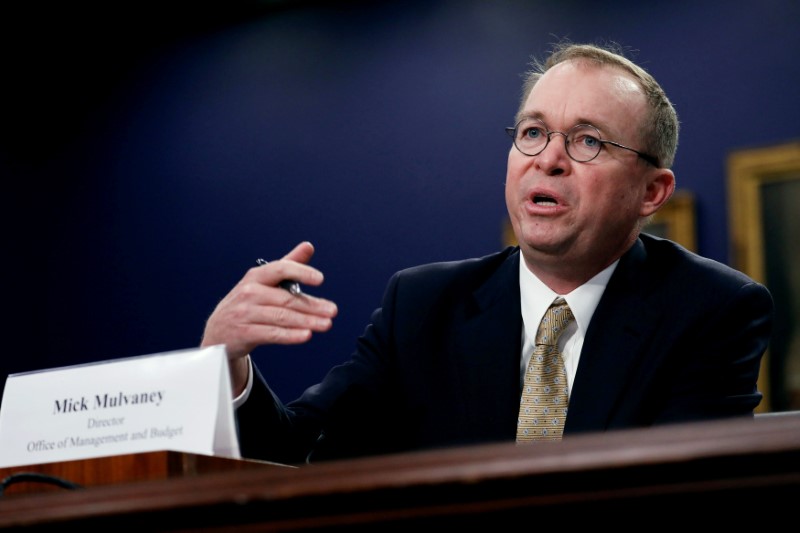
(563, 274)
(558, 280)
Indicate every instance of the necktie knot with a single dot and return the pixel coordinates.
(555, 320)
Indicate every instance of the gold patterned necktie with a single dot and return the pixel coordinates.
(545, 392)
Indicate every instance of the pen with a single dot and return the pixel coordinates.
(288, 284)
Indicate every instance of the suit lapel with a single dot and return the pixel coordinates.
(485, 351)
(613, 344)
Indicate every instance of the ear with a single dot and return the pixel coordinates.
(660, 186)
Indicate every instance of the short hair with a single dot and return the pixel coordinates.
(658, 130)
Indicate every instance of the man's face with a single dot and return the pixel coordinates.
(584, 213)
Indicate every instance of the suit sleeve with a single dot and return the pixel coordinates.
(717, 376)
(328, 420)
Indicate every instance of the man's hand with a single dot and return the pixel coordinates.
(258, 311)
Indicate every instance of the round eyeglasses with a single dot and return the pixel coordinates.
(582, 141)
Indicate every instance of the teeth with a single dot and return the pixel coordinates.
(543, 200)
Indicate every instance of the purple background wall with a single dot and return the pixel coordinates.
(151, 155)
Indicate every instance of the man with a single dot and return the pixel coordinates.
(653, 334)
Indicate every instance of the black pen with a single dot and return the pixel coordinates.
(288, 284)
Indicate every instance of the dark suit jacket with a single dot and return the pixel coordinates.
(675, 337)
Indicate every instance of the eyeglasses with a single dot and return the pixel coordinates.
(582, 141)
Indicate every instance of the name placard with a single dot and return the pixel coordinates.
(179, 401)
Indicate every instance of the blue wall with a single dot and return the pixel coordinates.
(151, 156)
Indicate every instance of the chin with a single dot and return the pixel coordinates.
(539, 246)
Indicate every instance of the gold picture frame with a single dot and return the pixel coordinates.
(764, 218)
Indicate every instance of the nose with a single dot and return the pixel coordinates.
(553, 160)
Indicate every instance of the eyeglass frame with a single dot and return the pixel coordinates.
(512, 132)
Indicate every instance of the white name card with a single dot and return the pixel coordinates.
(179, 401)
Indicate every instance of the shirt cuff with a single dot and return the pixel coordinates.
(239, 400)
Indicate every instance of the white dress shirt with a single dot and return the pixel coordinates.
(239, 400)
(536, 297)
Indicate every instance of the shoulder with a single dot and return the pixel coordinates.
(474, 269)
(450, 281)
(666, 255)
(675, 268)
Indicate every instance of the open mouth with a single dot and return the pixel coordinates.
(540, 199)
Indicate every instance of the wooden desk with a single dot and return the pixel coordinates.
(112, 470)
(716, 473)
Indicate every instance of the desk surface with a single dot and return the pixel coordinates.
(713, 468)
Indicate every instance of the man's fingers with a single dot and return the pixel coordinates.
(284, 317)
(293, 266)
(301, 253)
(305, 304)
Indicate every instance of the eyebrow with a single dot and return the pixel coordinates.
(538, 115)
(535, 115)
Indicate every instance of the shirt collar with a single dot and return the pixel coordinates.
(536, 297)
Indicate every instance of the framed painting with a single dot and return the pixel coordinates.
(764, 219)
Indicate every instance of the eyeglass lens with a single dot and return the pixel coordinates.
(582, 141)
